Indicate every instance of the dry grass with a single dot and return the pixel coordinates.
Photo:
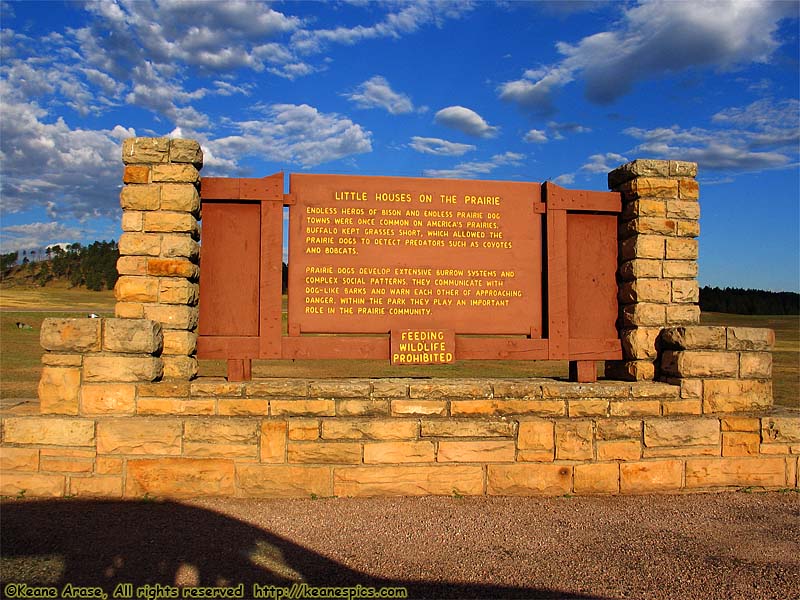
(20, 352)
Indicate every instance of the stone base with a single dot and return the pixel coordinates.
(396, 437)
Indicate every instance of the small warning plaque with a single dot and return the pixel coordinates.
(423, 346)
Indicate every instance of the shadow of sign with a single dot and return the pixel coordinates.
(105, 544)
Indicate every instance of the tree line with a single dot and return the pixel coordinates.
(93, 266)
(748, 302)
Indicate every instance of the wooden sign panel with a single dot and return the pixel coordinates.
(375, 254)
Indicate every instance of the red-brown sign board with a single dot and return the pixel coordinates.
(376, 254)
(422, 347)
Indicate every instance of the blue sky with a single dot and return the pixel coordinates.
(509, 90)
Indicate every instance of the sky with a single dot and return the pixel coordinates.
(523, 91)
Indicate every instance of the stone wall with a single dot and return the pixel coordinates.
(122, 414)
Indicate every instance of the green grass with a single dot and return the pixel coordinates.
(20, 352)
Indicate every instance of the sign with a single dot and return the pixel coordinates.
(422, 347)
(378, 254)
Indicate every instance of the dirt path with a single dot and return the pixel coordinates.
(734, 545)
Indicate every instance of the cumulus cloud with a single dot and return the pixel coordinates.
(36, 235)
(535, 136)
(377, 93)
(291, 133)
(439, 147)
(466, 121)
(603, 163)
(475, 169)
(651, 40)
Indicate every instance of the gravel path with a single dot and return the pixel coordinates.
(733, 545)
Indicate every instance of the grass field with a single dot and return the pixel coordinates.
(20, 352)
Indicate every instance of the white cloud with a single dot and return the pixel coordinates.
(377, 93)
(565, 179)
(535, 136)
(604, 163)
(439, 147)
(292, 133)
(651, 40)
(475, 169)
(36, 235)
(465, 120)
(558, 130)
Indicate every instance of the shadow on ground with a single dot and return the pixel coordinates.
(106, 543)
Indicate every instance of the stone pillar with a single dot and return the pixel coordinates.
(159, 248)
(657, 273)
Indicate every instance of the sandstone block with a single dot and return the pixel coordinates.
(139, 244)
(689, 229)
(685, 291)
(180, 367)
(273, 441)
(324, 452)
(304, 429)
(697, 337)
(59, 389)
(640, 343)
(422, 408)
(781, 429)
(373, 429)
(140, 197)
(140, 435)
(644, 207)
(748, 424)
(529, 480)
(172, 267)
(643, 246)
(683, 314)
(136, 174)
(121, 368)
(180, 197)
(683, 209)
(178, 291)
(645, 290)
(140, 150)
(522, 389)
(650, 476)
(50, 359)
(70, 335)
(598, 478)
(735, 472)
(638, 168)
(619, 450)
(96, 487)
(362, 408)
(215, 387)
(593, 407)
(52, 462)
(169, 222)
(165, 389)
(353, 388)
(132, 220)
(50, 431)
(179, 341)
(173, 316)
(185, 151)
(242, 407)
(684, 169)
(536, 440)
(650, 187)
(135, 336)
(175, 173)
(221, 431)
(19, 459)
(654, 389)
(460, 388)
(136, 289)
(209, 450)
(129, 310)
(33, 485)
(483, 452)
(648, 226)
(498, 407)
(132, 265)
(739, 443)
(750, 338)
(700, 363)
(585, 390)
(398, 452)
(280, 481)
(408, 480)
(736, 395)
(176, 406)
(635, 408)
(685, 269)
(574, 440)
(689, 189)
(618, 429)
(287, 388)
(675, 408)
(387, 388)
(755, 365)
(630, 370)
(681, 432)
(644, 314)
(682, 249)
(305, 408)
(640, 268)
(464, 428)
(179, 245)
(180, 477)
(108, 399)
